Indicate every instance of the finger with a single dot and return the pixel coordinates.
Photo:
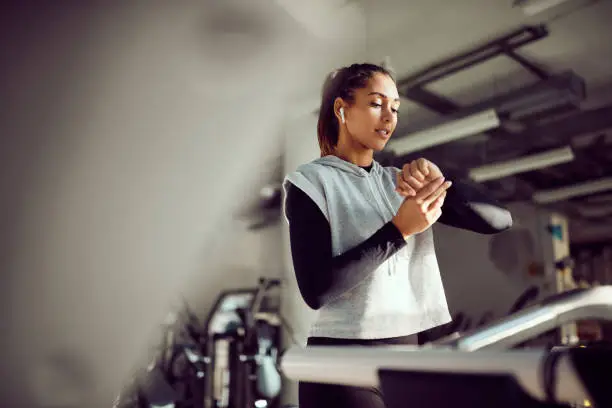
(436, 216)
(423, 165)
(403, 187)
(415, 172)
(410, 179)
(405, 193)
(427, 201)
(414, 183)
(428, 189)
(438, 202)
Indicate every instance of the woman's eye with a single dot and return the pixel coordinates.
(377, 105)
(395, 110)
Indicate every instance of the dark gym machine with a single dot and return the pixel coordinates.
(228, 361)
(242, 343)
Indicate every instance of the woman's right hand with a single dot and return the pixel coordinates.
(418, 213)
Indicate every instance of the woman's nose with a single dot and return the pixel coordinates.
(387, 115)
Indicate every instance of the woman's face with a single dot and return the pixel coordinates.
(372, 117)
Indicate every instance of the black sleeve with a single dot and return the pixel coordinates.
(468, 207)
(322, 277)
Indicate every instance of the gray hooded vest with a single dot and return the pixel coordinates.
(404, 295)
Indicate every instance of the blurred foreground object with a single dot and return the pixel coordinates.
(130, 134)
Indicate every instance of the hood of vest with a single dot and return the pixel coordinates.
(348, 167)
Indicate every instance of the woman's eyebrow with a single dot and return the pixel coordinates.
(383, 95)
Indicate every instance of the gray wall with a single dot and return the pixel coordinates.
(478, 279)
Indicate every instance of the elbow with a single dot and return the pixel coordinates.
(503, 222)
(313, 303)
(497, 219)
(312, 291)
(500, 223)
(310, 296)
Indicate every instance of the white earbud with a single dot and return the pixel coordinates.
(342, 114)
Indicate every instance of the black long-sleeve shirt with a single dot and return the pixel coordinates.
(322, 277)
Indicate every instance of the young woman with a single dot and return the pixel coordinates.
(361, 242)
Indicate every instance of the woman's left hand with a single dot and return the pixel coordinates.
(415, 175)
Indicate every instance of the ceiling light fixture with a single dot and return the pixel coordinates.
(576, 190)
(446, 132)
(527, 163)
(534, 7)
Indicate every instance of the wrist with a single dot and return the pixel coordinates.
(403, 231)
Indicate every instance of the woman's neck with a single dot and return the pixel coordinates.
(354, 154)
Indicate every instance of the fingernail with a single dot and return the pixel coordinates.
(449, 183)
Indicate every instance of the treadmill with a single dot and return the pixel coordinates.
(480, 368)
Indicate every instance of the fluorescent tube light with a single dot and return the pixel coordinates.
(446, 132)
(534, 7)
(532, 162)
(577, 190)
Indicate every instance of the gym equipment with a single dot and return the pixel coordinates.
(229, 361)
(461, 323)
(479, 368)
(242, 343)
(186, 362)
(555, 311)
(174, 376)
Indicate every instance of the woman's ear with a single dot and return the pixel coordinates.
(339, 110)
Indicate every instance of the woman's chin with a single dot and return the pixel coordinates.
(379, 145)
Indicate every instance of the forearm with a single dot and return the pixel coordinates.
(468, 207)
(355, 265)
(322, 277)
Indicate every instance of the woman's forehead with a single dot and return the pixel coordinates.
(382, 85)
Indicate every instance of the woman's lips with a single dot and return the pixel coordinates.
(383, 133)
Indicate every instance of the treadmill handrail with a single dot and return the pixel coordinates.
(587, 304)
(359, 366)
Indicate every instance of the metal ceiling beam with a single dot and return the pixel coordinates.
(550, 95)
(560, 132)
(445, 106)
(432, 101)
(585, 122)
(536, 70)
(586, 165)
(500, 46)
(567, 86)
(413, 87)
(562, 90)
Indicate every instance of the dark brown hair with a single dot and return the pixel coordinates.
(341, 83)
